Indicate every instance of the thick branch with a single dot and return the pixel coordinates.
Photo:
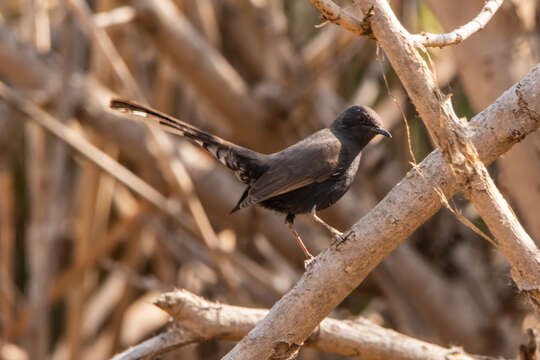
(452, 136)
(515, 51)
(341, 268)
(199, 320)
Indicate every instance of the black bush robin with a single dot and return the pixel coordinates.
(308, 176)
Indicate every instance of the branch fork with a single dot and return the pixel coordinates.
(339, 16)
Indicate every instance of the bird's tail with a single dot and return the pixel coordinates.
(172, 125)
(241, 160)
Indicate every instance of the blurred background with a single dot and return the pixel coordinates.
(82, 256)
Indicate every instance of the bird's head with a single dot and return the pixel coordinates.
(361, 122)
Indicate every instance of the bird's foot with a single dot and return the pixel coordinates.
(308, 262)
(340, 237)
(336, 234)
(453, 353)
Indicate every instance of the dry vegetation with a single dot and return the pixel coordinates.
(100, 215)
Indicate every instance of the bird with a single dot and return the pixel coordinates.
(303, 178)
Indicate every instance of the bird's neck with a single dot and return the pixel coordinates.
(363, 140)
(359, 139)
(358, 142)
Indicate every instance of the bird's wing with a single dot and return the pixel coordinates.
(314, 160)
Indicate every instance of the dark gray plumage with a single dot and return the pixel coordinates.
(308, 176)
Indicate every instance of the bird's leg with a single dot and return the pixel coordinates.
(335, 232)
(289, 221)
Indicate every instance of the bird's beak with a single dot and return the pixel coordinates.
(383, 132)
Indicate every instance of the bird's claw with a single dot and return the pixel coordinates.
(308, 262)
(340, 237)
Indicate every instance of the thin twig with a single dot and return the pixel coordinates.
(462, 33)
(40, 237)
(380, 59)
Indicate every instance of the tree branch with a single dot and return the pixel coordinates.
(462, 33)
(335, 14)
(200, 320)
(452, 135)
(512, 240)
(166, 341)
